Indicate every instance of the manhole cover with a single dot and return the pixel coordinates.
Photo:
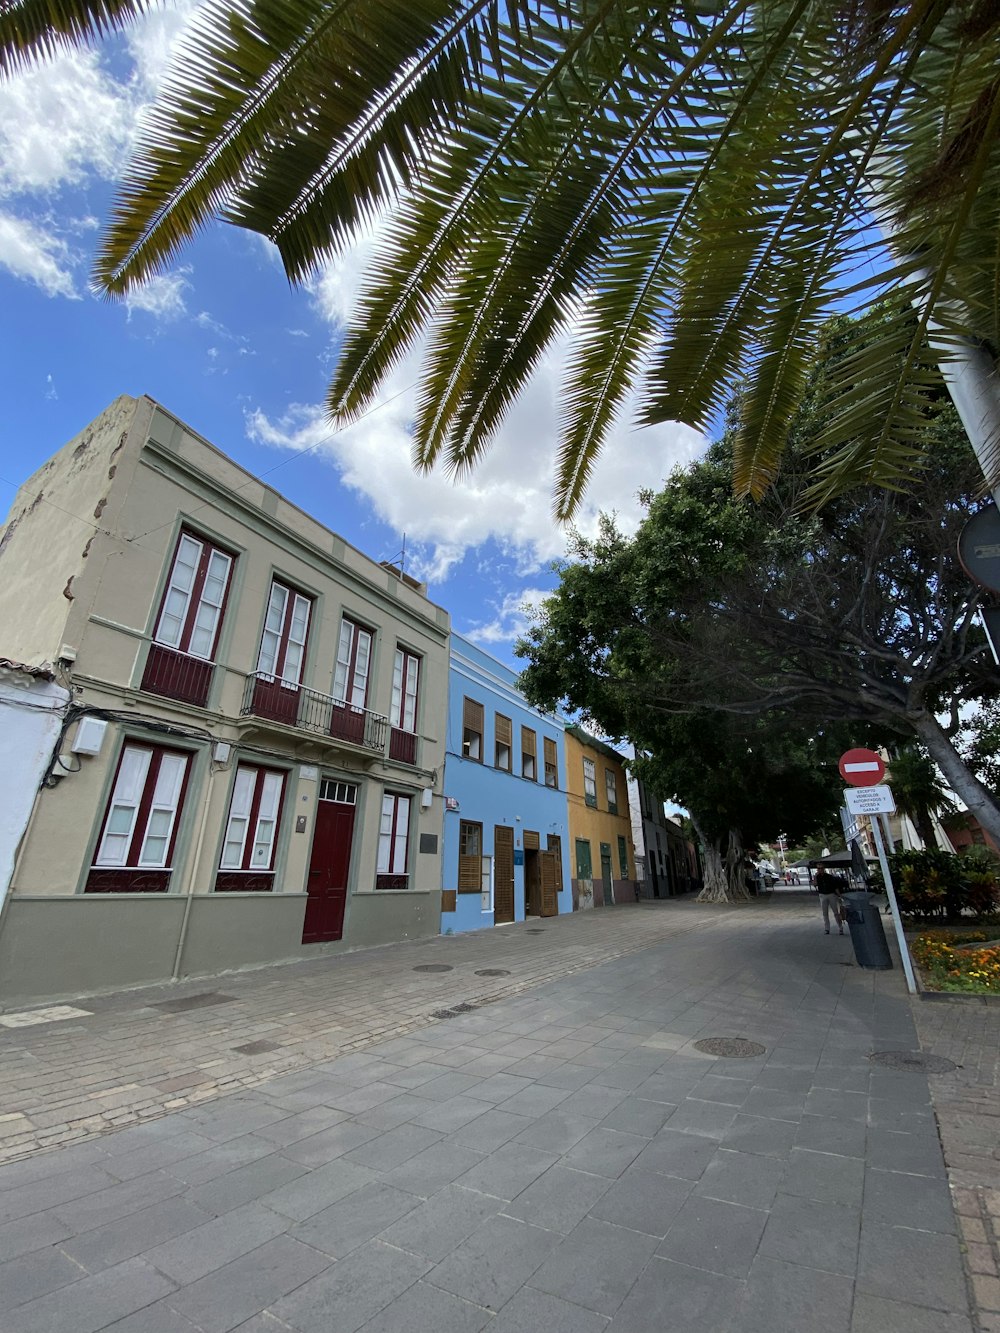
(492, 972)
(732, 1048)
(257, 1047)
(912, 1062)
(203, 1001)
(433, 967)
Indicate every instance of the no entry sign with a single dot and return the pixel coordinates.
(861, 768)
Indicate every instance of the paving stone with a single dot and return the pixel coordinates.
(219, 1159)
(507, 1171)
(840, 1105)
(900, 1117)
(559, 1199)
(824, 1177)
(284, 1133)
(389, 1115)
(447, 1116)
(918, 1154)
(642, 1201)
(27, 1234)
(424, 1307)
(707, 1119)
(393, 1148)
(872, 1314)
(915, 1267)
(494, 1262)
(161, 1317)
(151, 1157)
(638, 1115)
(670, 1297)
(33, 1275)
(426, 1172)
(491, 1130)
(329, 1144)
(118, 1200)
(569, 1076)
(416, 1075)
(497, 1088)
(189, 1257)
(110, 1244)
(605, 1152)
(351, 1292)
(355, 1219)
(53, 1191)
(536, 1100)
(786, 1298)
(92, 1303)
(756, 1134)
(595, 1266)
(914, 1201)
(245, 1183)
(739, 1177)
(791, 1080)
(433, 1229)
(845, 1138)
(673, 1153)
(556, 1132)
(449, 1085)
(225, 1298)
(593, 1103)
(816, 1235)
(718, 1237)
(542, 1313)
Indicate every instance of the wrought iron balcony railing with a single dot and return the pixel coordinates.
(270, 697)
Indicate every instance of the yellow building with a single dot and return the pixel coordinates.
(600, 829)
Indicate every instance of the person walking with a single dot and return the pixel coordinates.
(829, 888)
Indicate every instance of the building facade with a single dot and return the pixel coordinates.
(506, 839)
(600, 827)
(669, 860)
(250, 764)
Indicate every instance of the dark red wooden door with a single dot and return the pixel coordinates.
(328, 870)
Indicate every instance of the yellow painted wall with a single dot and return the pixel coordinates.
(597, 825)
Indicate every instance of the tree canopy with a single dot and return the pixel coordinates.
(857, 615)
(681, 193)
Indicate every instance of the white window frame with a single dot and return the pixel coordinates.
(354, 662)
(128, 796)
(394, 838)
(590, 782)
(179, 592)
(257, 788)
(285, 635)
(405, 687)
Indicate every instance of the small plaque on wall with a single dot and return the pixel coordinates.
(308, 772)
(448, 897)
(429, 843)
(518, 856)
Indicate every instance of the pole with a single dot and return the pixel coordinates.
(904, 952)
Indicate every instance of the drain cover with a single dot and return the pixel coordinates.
(433, 967)
(257, 1047)
(203, 1001)
(534, 932)
(913, 1062)
(733, 1048)
(492, 972)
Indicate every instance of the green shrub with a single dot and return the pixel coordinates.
(940, 886)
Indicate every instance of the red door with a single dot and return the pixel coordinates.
(328, 870)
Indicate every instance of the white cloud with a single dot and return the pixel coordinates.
(513, 615)
(30, 252)
(60, 122)
(162, 296)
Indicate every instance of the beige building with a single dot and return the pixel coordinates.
(249, 766)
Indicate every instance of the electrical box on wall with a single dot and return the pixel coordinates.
(89, 735)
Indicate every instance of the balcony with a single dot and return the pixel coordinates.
(174, 675)
(403, 746)
(270, 697)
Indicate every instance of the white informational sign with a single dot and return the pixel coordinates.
(870, 800)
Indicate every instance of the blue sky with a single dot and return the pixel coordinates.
(223, 342)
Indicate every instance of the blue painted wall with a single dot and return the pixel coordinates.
(490, 796)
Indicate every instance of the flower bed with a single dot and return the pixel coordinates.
(946, 966)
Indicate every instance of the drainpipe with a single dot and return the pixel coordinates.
(196, 862)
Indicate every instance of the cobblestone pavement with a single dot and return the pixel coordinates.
(563, 1160)
(967, 1102)
(137, 1054)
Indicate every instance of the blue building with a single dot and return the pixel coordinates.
(506, 832)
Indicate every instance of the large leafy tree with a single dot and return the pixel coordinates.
(859, 614)
(682, 190)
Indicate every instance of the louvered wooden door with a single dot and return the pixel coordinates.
(550, 884)
(503, 873)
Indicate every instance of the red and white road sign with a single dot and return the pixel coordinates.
(861, 768)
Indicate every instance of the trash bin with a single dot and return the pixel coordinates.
(867, 935)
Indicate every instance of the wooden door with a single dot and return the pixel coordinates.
(329, 866)
(606, 874)
(503, 874)
(549, 883)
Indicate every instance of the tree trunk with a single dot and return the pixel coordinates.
(719, 882)
(962, 781)
(735, 869)
(925, 828)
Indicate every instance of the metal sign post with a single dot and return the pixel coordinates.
(904, 952)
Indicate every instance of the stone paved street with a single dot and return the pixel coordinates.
(560, 1160)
